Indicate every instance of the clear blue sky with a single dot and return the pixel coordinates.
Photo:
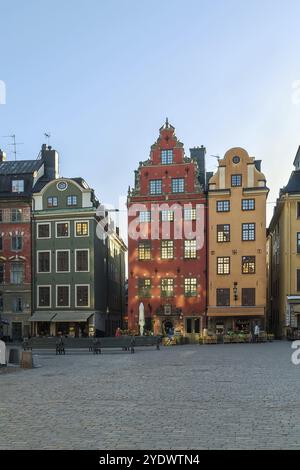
(102, 75)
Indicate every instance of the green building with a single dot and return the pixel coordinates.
(79, 269)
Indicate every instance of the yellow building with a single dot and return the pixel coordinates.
(237, 281)
(284, 259)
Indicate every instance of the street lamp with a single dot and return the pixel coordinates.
(235, 290)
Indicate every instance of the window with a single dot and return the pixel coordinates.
(167, 249)
(17, 186)
(223, 233)
(144, 288)
(167, 215)
(166, 157)
(189, 214)
(44, 258)
(16, 215)
(17, 304)
(82, 260)
(223, 297)
(82, 296)
(167, 287)
(298, 242)
(2, 273)
(144, 250)
(62, 261)
(177, 185)
(145, 216)
(236, 180)
(298, 278)
(43, 230)
(17, 273)
(248, 265)
(16, 242)
(248, 232)
(44, 296)
(248, 204)
(190, 287)
(1, 215)
(298, 210)
(62, 229)
(52, 202)
(223, 265)
(62, 296)
(82, 229)
(248, 297)
(1, 302)
(72, 201)
(223, 206)
(188, 323)
(190, 249)
(155, 186)
(1, 242)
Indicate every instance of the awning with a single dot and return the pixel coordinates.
(42, 316)
(72, 316)
(235, 311)
(293, 299)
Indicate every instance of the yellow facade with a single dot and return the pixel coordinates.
(284, 261)
(237, 279)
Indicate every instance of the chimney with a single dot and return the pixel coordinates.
(198, 154)
(2, 156)
(50, 158)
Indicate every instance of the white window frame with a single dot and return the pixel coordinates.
(38, 296)
(56, 296)
(80, 222)
(37, 230)
(37, 262)
(59, 251)
(89, 295)
(75, 260)
(14, 183)
(62, 222)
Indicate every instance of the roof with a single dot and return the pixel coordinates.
(19, 167)
(293, 185)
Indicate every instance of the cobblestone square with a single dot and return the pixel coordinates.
(239, 396)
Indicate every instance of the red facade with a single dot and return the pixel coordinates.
(166, 271)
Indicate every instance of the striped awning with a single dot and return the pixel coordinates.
(72, 316)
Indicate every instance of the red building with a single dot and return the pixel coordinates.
(166, 239)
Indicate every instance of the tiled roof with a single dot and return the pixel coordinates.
(293, 185)
(19, 167)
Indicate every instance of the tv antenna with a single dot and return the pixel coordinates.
(216, 156)
(47, 136)
(14, 143)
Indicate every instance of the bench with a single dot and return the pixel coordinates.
(147, 341)
(126, 343)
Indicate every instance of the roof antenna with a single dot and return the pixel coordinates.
(14, 143)
(47, 136)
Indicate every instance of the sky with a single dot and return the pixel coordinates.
(102, 75)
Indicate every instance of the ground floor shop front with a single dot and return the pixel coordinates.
(76, 324)
(235, 320)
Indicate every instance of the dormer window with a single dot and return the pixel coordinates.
(17, 186)
(72, 200)
(52, 202)
(166, 157)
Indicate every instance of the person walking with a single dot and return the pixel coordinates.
(256, 333)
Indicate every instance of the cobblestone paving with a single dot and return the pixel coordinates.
(185, 397)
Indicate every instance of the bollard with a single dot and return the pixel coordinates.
(14, 356)
(26, 360)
